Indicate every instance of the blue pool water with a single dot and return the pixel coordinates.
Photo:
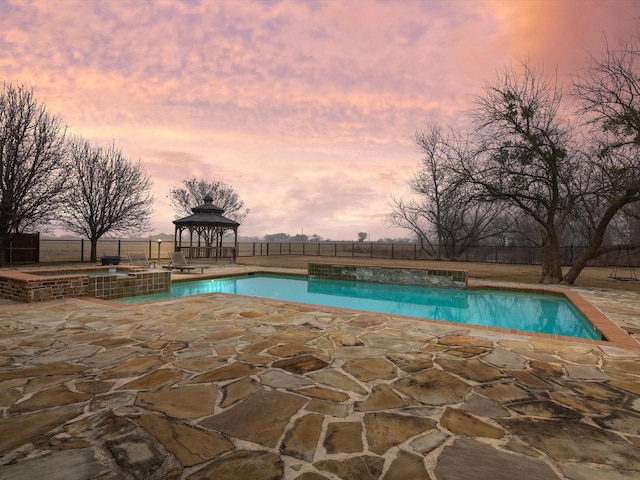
(530, 312)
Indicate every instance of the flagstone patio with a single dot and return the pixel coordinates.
(224, 387)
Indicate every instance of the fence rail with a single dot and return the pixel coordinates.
(526, 255)
(54, 250)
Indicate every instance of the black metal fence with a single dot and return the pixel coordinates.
(54, 250)
(526, 255)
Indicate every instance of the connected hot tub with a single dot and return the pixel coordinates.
(102, 282)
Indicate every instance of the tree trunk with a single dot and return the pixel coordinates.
(590, 253)
(596, 240)
(576, 268)
(550, 260)
(94, 250)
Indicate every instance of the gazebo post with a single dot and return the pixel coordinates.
(219, 234)
(235, 244)
(177, 239)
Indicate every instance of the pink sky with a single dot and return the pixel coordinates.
(306, 108)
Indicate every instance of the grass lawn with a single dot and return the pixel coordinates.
(595, 277)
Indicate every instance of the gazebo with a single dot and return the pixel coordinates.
(208, 226)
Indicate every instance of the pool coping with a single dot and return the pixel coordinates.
(615, 336)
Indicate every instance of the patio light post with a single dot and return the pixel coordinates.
(159, 243)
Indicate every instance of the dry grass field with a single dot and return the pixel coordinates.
(590, 277)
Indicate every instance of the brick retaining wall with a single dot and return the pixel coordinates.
(39, 289)
(44, 285)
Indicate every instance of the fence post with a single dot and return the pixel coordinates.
(118, 247)
(38, 248)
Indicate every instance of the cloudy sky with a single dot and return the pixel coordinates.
(306, 108)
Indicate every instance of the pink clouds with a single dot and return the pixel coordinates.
(563, 33)
(306, 108)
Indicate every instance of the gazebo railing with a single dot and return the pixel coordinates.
(207, 253)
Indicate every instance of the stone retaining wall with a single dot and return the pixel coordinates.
(44, 285)
(401, 276)
(42, 289)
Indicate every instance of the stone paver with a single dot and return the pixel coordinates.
(223, 387)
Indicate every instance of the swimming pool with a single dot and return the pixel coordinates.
(496, 308)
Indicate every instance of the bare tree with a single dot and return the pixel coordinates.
(526, 157)
(33, 175)
(194, 192)
(362, 236)
(109, 195)
(447, 214)
(608, 94)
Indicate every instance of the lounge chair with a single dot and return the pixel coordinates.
(140, 260)
(178, 262)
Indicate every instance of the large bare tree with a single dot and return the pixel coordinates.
(33, 175)
(526, 155)
(194, 191)
(110, 193)
(574, 182)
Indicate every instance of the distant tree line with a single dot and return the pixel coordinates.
(285, 237)
(537, 165)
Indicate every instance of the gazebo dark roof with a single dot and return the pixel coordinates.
(206, 214)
